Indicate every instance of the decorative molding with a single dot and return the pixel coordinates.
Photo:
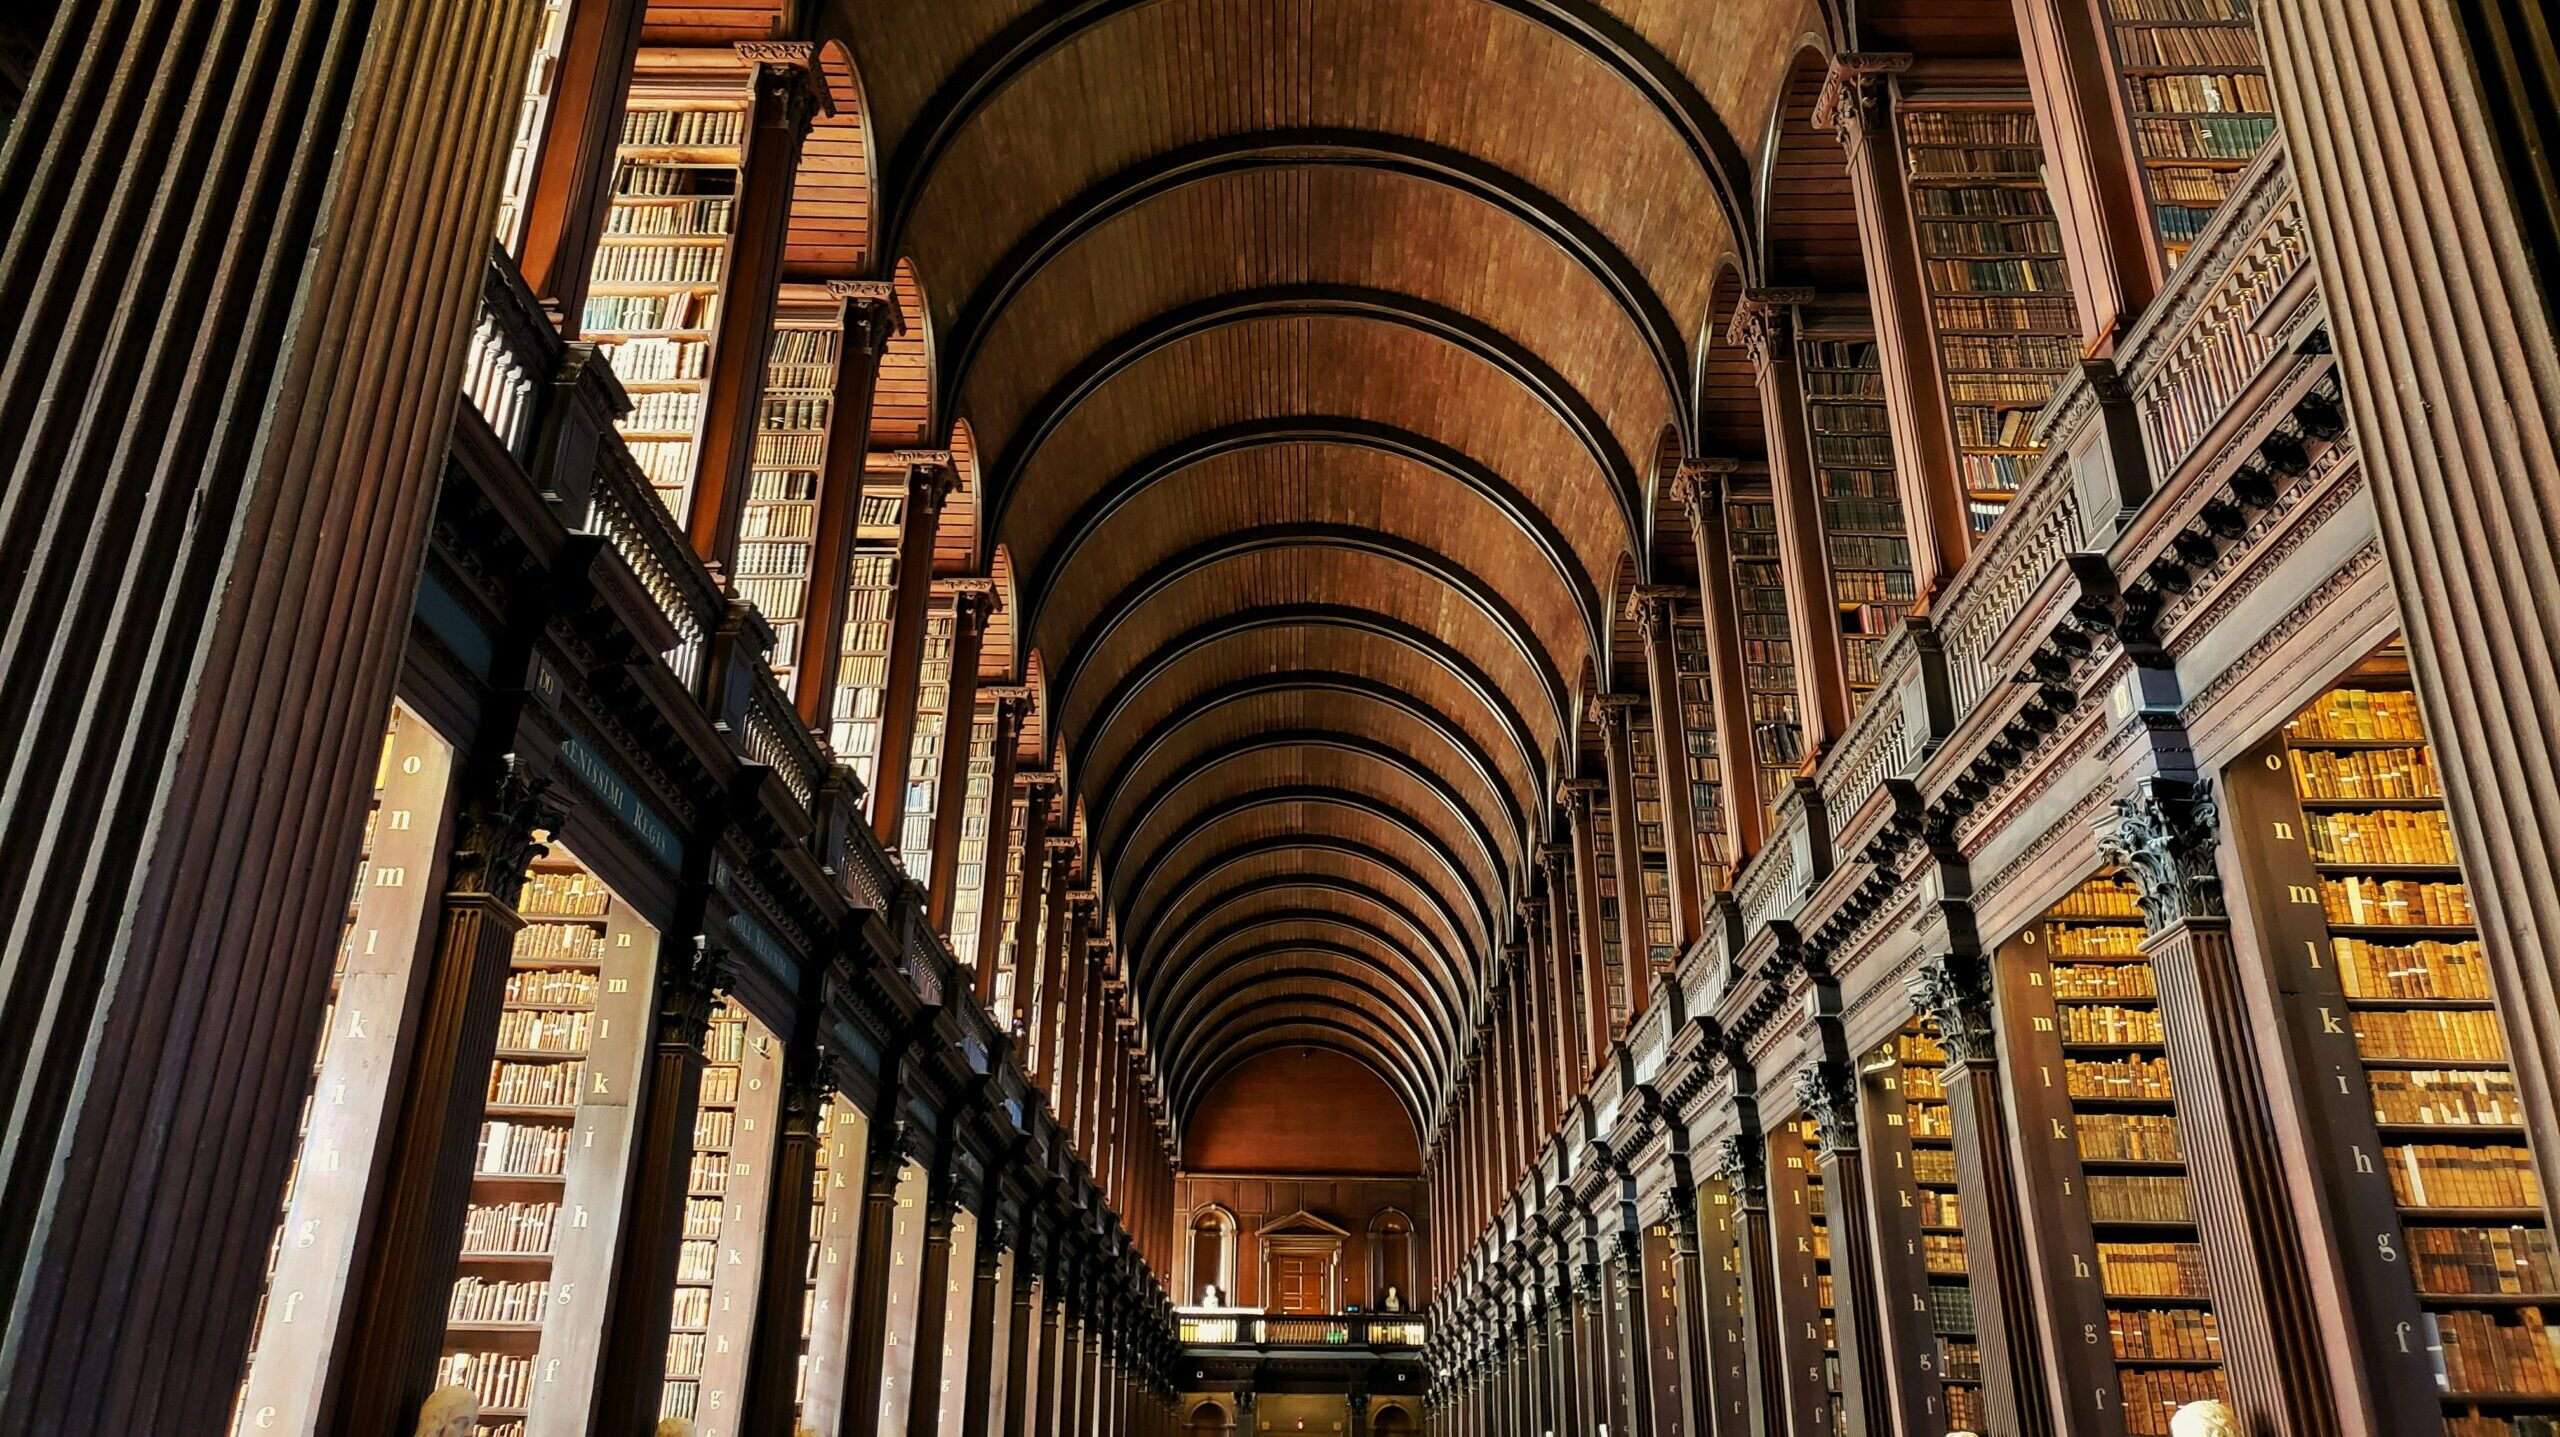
(1954, 990)
(502, 828)
(1829, 1101)
(2163, 836)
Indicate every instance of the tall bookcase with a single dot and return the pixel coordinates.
(2196, 91)
(1768, 650)
(932, 732)
(1009, 934)
(1862, 529)
(776, 542)
(1703, 761)
(656, 288)
(1999, 292)
(725, 1197)
(1613, 967)
(2364, 913)
(977, 812)
(1653, 870)
(533, 117)
(1809, 1337)
(552, 1139)
(871, 599)
(1922, 1234)
(2077, 997)
(389, 921)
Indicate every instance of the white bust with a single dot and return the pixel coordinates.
(1209, 1295)
(449, 1412)
(2204, 1419)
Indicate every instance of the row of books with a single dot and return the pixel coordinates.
(702, 217)
(1980, 202)
(2231, 92)
(2445, 1097)
(2205, 137)
(2365, 773)
(1939, 1208)
(2075, 981)
(665, 411)
(1998, 276)
(1950, 1307)
(2209, 12)
(2509, 1354)
(644, 180)
(2153, 1395)
(666, 463)
(2397, 835)
(2108, 1023)
(2010, 353)
(684, 127)
(2144, 1078)
(540, 942)
(780, 601)
(514, 1149)
(2164, 1334)
(2450, 1175)
(2139, 1197)
(770, 558)
(714, 1127)
(570, 987)
(2359, 716)
(553, 893)
(1870, 450)
(2023, 235)
(692, 1307)
(2108, 941)
(536, 1085)
(2018, 391)
(684, 1354)
(779, 518)
(2006, 316)
(650, 359)
(800, 454)
(697, 1258)
(2000, 429)
(659, 264)
(2199, 189)
(500, 1380)
(1969, 127)
(2129, 1137)
(707, 1174)
(509, 1227)
(2152, 1269)
(477, 1299)
(1975, 162)
(1942, 1252)
(545, 1030)
(2430, 1035)
(2427, 969)
(2389, 902)
(803, 412)
(2483, 1261)
(1934, 1167)
(2098, 899)
(1995, 474)
(640, 313)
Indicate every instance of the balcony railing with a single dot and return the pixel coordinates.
(1255, 1329)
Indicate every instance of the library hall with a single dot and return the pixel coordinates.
(1203, 718)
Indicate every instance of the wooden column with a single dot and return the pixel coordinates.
(1579, 820)
(1699, 488)
(1055, 944)
(870, 319)
(1689, 1301)
(1764, 327)
(1536, 1119)
(866, 1365)
(928, 485)
(397, 1298)
(933, 1307)
(1857, 101)
(1827, 1096)
(1907, 1382)
(640, 1305)
(1742, 1164)
(1019, 1346)
(2165, 836)
(1555, 1089)
(1573, 1066)
(569, 188)
(1560, 1348)
(1633, 950)
(2090, 171)
(773, 1360)
(1074, 1013)
(1010, 705)
(789, 92)
(1954, 989)
(1653, 610)
(1629, 1351)
(212, 512)
(2420, 136)
(973, 603)
(1039, 789)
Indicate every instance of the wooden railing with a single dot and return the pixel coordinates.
(1351, 1329)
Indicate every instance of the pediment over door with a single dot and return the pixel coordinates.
(1301, 1223)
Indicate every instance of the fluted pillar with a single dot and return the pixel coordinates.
(2090, 170)
(868, 320)
(974, 602)
(1655, 608)
(1764, 327)
(1699, 490)
(929, 483)
(568, 190)
(933, 1311)
(1010, 707)
(867, 1365)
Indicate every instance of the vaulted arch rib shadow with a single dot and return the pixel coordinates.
(1017, 48)
(1284, 616)
(1299, 147)
(1214, 1010)
(1533, 523)
(1454, 971)
(1242, 1029)
(1182, 969)
(1525, 367)
(1226, 548)
(1209, 983)
(1425, 1121)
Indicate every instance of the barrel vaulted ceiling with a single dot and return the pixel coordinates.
(1318, 357)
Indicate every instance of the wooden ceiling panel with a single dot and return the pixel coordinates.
(1728, 49)
(692, 23)
(831, 201)
(910, 48)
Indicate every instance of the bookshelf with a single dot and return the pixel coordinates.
(933, 727)
(2197, 96)
(388, 921)
(725, 1193)
(570, 1028)
(871, 599)
(2379, 930)
(1008, 935)
(1862, 530)
(1768, 651)
(2078, 998)
(1808, 1320)
(977, 813)
(779, 533)
(533, 117)
(1705, 764)
(1653, 872)
(1604, 851)
(1999, 291)
(1906, 1089)
(654, 294)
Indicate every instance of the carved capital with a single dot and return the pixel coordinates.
(1954, 989)
(790, 90)
(1652, 606)
(806, 1086)
(930, 480)
(1854, 94)
(1829, 1101)
(871, 317)
(1764, 321)
(2163, 837)
(1739, 1162)
(690, 978)
(973, 602)
(886, 1154)
(500, 833)
(1699, 484)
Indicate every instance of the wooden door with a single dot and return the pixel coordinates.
(1300, 1281)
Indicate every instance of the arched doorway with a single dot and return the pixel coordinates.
(1210, 1420)
(1392, 1421)
(1213, 1258)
